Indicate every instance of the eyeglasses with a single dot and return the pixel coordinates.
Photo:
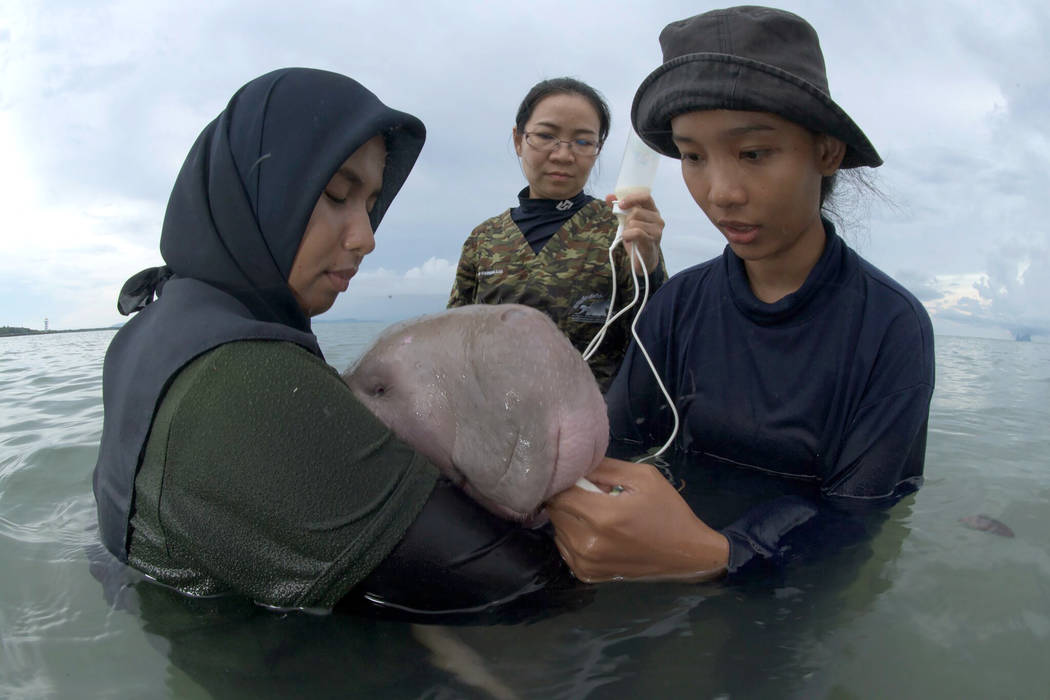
(548, 142)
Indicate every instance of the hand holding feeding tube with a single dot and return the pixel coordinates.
(626, 521)
(638, 528)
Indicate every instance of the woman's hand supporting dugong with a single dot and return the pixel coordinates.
(495, 396)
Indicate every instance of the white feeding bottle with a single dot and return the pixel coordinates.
(636, 171)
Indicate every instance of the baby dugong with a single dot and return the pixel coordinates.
(495, 396)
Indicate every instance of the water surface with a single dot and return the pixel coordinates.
(929, 608)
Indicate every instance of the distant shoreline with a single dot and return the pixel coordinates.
(11, 331)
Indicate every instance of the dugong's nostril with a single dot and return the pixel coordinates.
(511, 314)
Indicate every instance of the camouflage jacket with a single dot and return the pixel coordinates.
(569, 279)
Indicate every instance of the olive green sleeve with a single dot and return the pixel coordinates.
(276, 480)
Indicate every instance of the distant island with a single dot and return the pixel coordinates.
(18, 330)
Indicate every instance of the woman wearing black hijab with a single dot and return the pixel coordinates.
(233, 459)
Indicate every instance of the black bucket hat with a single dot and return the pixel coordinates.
(745, 58)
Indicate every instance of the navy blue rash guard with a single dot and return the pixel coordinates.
(828, 387)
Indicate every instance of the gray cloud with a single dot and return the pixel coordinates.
(100, 102)
(924, 287)
(1016, 289)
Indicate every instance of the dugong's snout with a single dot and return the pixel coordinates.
(535, 472)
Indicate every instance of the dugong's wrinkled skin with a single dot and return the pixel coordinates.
(494, 396)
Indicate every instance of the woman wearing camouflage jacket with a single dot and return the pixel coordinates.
(551, 252)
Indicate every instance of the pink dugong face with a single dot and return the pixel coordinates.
(494, 396)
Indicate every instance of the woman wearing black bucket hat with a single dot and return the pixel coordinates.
(791, 360)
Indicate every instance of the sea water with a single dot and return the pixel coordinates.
(929, 608)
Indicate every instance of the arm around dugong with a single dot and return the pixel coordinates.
(276, 482)
(279, 485)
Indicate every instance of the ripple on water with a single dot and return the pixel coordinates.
(47, 497)
(42, 630)
(66, 530)
(25, 438)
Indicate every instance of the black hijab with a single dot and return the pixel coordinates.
(233, 225)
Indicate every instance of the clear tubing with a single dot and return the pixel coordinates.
(637, 172)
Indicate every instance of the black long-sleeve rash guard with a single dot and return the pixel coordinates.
(829, 386)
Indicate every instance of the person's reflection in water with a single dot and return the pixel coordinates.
(232, 647)
(763, 634)
(755, 635)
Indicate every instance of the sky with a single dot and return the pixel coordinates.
(100, 102)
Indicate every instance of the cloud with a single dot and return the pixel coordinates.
(924, 287)
(1016, 288)
(1011, 296)
(432, 277)
(78, 260)
(100, 102)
